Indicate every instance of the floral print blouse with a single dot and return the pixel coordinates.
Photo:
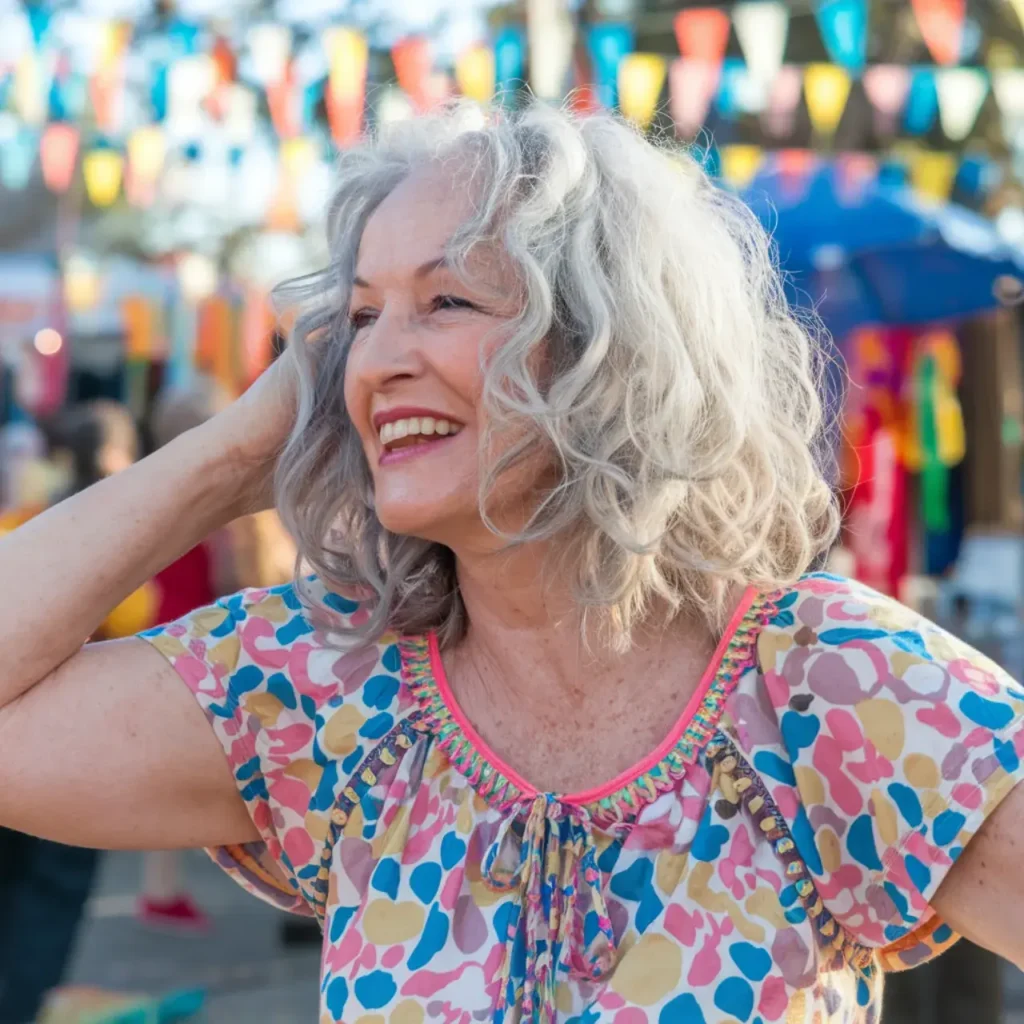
(768, 862)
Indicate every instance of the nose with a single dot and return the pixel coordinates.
(390, 350)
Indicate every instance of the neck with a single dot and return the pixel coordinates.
(526, 625)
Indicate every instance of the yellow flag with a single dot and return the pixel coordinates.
(932, 174)
(826, 87)
(641, 78)
(474, 72)
(102, 169)
(740, 162)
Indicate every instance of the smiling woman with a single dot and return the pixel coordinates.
(561, 728)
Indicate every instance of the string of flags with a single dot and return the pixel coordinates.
(133, 114)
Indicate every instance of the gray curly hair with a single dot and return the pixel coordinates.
(682, 402)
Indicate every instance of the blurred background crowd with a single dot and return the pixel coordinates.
(165, 163)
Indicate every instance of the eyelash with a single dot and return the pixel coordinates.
(364, 317)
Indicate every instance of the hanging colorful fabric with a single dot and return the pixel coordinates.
(475, 73)
(412, 60)
(31, 89)
(285, 103)
(934, 475)
(779, 117)
(608, 42)
(844, 30)
(641, 77)
(58, 153)
(826, 88)
(942, 24)
(106, 87)
(257, 334)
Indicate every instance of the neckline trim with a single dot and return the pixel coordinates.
(627, 793)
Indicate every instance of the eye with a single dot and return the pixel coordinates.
(362, 318)
(442, 302)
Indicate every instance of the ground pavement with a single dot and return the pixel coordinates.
(249, 976)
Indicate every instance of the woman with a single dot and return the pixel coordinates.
(560, 729)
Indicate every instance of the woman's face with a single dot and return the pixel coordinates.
(414, 378)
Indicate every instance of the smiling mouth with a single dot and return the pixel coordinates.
(414, 435)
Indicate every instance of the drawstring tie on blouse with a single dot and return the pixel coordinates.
(562, 920)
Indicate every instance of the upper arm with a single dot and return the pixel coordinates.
(112, 750)
(980, 898)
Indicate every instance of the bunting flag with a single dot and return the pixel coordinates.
(30, 92)
(475, 73)
(942, 26)
(795, 167)
(270, 48)
(641, 78)
(106, 87)
(392, 105)
(692, 85)
(550, 45)
(58, 155)
(854, 173)
(190, 82)
(702, 33)
(284, 102)
(779, 117)
(1008, 87)
(922, 102)
(762, 27)
(740, 91)
(19, 145)
(608, 43)
(739, 164)
(413, 63)
(146, 153)
(826, 88)
(82, 284)
(932, 174)
(347, 60)
(102, 169)
(886, 86)
(509, 58)
(961, 92)
(844, 30)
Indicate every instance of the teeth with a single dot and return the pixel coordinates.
(416, 426)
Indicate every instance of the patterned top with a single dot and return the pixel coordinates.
(764, 864)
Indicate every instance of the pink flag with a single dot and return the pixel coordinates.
(692, 84)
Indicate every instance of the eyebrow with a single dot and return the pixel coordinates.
(421, 271)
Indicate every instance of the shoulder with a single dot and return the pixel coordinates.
(844, 643)
(282, 653)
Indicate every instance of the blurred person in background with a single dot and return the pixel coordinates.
(253, 551)
(561, 727)
(44, 885)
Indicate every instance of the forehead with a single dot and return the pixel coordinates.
(413, 223)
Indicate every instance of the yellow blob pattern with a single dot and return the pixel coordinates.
(649, 971)
(387, 924)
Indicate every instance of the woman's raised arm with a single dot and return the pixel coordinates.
(103, 745)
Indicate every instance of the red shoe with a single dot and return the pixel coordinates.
(177, 914)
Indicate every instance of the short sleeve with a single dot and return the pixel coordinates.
(287, 708)
(902, 740)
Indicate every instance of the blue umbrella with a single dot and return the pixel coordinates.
(875, 254)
